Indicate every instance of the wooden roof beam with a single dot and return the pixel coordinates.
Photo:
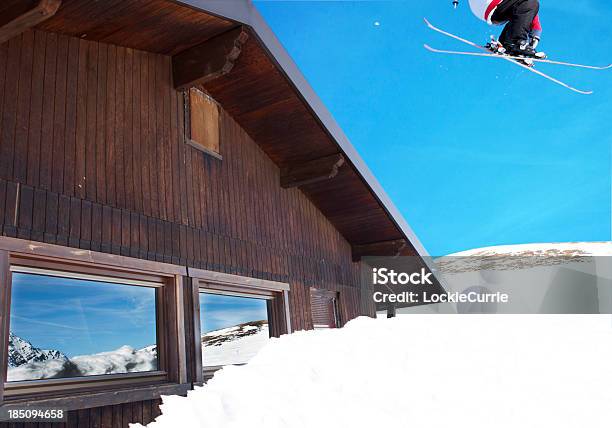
(209, 60)
(310, 172)
(17, 16)
(395, 248)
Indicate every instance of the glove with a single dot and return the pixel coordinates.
(455, 3)
(534, 42)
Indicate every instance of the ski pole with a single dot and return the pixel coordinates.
(455, 3)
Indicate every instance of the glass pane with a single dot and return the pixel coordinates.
(63, 327)
(234, 328)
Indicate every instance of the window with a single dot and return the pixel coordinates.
(237, 315)
(234, 328)
(78, 321)
(203, 123)
(65, 327)
(324, 308)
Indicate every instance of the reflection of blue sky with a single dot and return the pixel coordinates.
(217, 311)
(81, 317)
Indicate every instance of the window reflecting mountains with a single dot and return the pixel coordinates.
(27, 362)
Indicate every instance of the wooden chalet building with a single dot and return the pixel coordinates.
(166, 149)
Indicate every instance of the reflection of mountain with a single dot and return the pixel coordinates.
(234, 345)
(27, 362)
(21, 352)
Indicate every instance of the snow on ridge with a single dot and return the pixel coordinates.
(603, 248)
(522, 256)
(446, 370)
(234, 345)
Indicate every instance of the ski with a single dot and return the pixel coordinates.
(494, 55)
(526, 67)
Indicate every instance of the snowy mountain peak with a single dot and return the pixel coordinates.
(522, 256)
(542, 249)
(236, 332)
(20, 352)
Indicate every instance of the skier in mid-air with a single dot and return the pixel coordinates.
(517, 42)
(523, 30)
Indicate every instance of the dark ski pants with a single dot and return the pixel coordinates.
(520, 15)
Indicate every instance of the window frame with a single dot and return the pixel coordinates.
(27, 256)
(203, 281)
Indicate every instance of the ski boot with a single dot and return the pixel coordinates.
(495, 46)
(526, 51)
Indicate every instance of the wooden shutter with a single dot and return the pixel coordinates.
(324, 308)
(204, 121)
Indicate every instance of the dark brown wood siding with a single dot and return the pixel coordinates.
(93, 156)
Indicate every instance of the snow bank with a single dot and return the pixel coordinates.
(416, 370)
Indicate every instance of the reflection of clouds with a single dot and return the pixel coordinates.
(82, 315)
(225, 318)
(47, 323)
(95, 298)
(217, 311)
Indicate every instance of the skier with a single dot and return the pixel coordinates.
(523, 30)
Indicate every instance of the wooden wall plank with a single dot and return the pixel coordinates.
(68, 173)
(100, 138)
(54, 114)
(81, 120)
(91, 121)
(46, 145)
(145, 137)
(3, 67)
(110, 124)
(9, 107)
(152, 142)
(118, 127)
(36, 106)
(23, 107)
(127, 130)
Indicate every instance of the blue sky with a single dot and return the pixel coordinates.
(81, 317)
(474, 152)
(218, 311)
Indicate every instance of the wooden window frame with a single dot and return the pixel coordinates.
(231, 285)
(86, 391)
(190, 138)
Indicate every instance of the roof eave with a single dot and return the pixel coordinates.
(244, 12)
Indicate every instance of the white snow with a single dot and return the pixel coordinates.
(569, 277)
(603, 248)
(477, 371)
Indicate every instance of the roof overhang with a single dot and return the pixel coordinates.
(254, 79)
(245, 12)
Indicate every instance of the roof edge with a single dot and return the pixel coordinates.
(244, 12)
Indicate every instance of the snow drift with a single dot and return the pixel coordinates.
(416, 370)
